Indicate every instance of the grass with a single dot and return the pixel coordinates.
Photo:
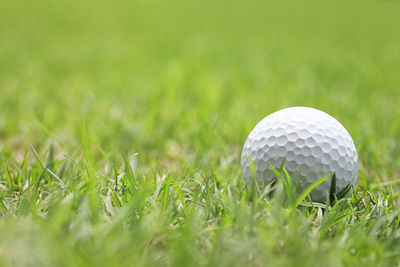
(121, 127)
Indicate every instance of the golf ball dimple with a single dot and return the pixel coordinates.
(310, 141)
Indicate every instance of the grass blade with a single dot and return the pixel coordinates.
(332, 190)
(308, 190)
(8, 176)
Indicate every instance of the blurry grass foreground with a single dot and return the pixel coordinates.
(121, 217)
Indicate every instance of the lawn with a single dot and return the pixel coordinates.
(122, 124)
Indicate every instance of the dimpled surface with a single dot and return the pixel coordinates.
(308, 139)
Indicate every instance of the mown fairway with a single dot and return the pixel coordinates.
(122, 123)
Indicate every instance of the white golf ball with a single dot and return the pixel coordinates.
(310, 141)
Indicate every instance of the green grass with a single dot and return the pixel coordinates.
(122, 123)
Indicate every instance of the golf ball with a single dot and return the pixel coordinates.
(311, 142)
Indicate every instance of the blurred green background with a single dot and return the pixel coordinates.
(142, 73)
(182, 83)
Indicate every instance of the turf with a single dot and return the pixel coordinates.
(122, 123)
